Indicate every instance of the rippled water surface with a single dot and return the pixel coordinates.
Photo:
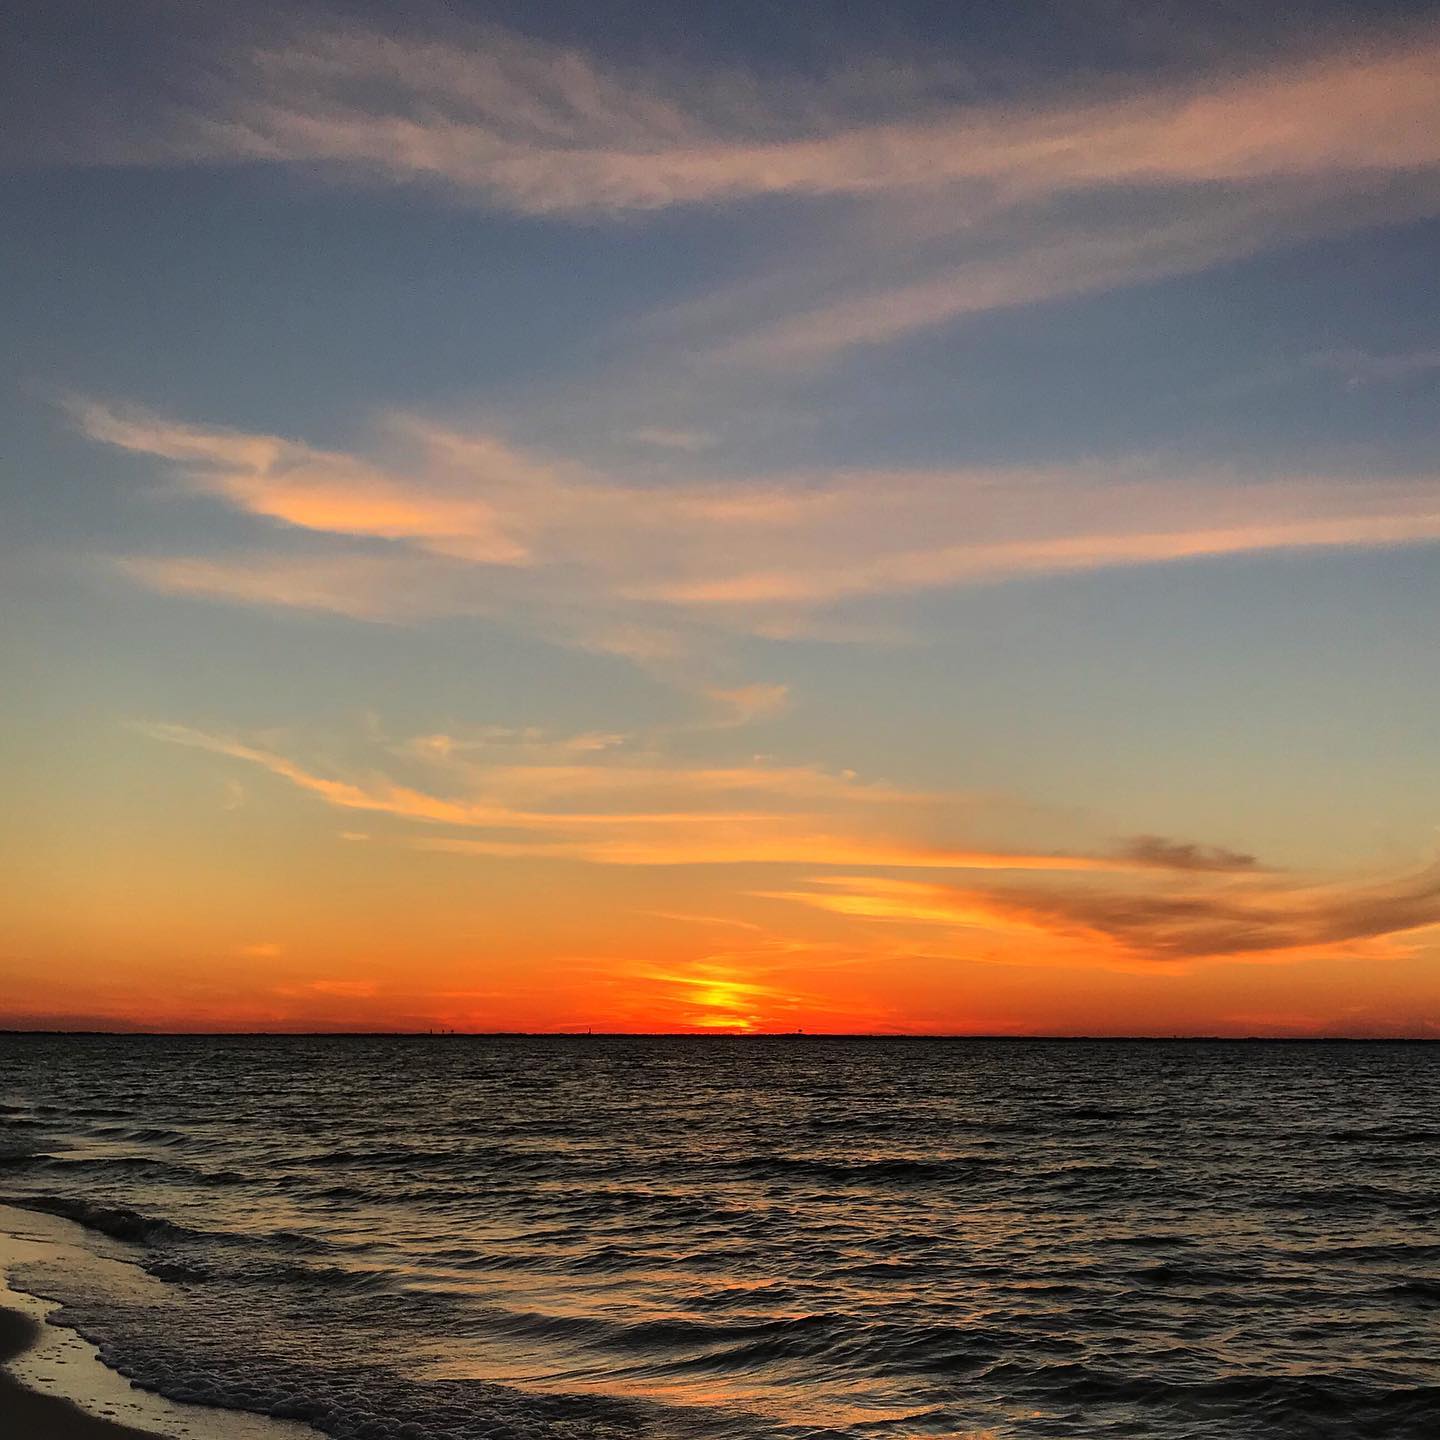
(732, 1237)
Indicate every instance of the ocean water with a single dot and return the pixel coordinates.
(730, 1237)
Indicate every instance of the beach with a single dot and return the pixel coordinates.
(36, 1416)
(53, 1385)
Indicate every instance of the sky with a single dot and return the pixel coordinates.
(721, 518)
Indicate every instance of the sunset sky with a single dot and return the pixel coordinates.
(919, 518)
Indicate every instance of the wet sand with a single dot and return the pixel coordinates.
(32, 1416)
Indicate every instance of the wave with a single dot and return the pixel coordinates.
(1146, 1241)
(351, 1403)
(117, 1221)
(1093, 1112)
(140, 1134)
(1180, 1273)
(15, 1157)
(1359, 1198)
(114, 1165)
(178, 1271)
(1309, 1404)
(308, 1244)
(1426, 1291)
(325, 1277)
(700, 1334)
(890, 1170)
(122, 1222)
(1384, 1135)
(1387, 1253)
(1104, 1175)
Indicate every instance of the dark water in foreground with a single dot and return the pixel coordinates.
(751, 1237)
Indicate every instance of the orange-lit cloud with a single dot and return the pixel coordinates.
(646, 810)
(762, 841)
(745, 703)
(313, 489)
(959, 564)
(629, 567)
(1169, 918)
(381, 589)
(611, 800)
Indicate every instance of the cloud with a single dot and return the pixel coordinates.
(1167, 854)
(463, 523)
(745, 703)
(377, 588)
(757, 840)
(690, 441)
(1021, 256)
(546, 129)
(1269, 920)
(1360, 367)
(979, 562)
(935, 207)
(1185, 918)
(516, 792)
(583, 798)
(614, 800)
(316, 490)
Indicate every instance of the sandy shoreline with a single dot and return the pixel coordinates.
(32, 1415)
(53, 1385)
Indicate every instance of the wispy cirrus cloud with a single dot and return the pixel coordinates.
(1023, 256)
(621, 801)
(1359, 368)
(627, 802)
(550, 129)
(463, 523)
(692, 442)
(744, 703)
(948, 203)
(381, 589)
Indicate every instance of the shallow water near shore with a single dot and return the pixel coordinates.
(745, 1237)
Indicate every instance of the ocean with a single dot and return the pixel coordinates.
(454, 1237)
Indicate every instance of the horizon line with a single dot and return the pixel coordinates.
(447, 1034)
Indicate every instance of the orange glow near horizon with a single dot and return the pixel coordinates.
(281, 916)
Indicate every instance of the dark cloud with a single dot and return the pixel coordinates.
(1167, 854)
(1209, 925)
